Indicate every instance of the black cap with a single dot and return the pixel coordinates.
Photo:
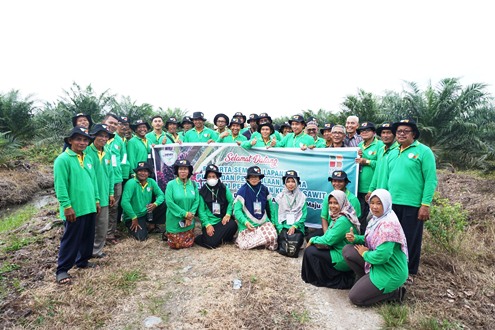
(326, 127)
(221, 115)
(212, 168)
(262, 116)
(140, 122)
(88, 117)
(291, 174)
(254, 171)
(101, 128)
(252, 117)
(366, 125)
(182, 163)
(384, 127)
(171, 120)
(124, 119)
(297, 119)
(198, 115)
(143, 166)
(235, 120)
(407, 122)
(339, 175)
(78, 130)
(186, 119)
(272, 129)
(240, 115)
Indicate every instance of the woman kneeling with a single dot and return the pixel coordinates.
(322, 267)
(252, 206)
(381, 264)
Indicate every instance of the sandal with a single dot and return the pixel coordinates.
(64, 278)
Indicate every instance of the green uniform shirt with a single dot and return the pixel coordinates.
(275, 135)
(75, 184)
(180, 198)
(231, 139)
(334, 237)
(137, 151)
(124, 165)
(155, 139)
(322, 143)
(412, 176)
(205, 135)
(104, 173)
(136, 196)
(388, 265)
(380, 177)
(117, 149)
(206, 217)
(298, 224)
(370, 153)
(352, 199)
(292, 141)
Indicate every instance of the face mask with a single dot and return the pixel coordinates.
(212, 182)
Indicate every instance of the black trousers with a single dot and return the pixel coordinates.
(76, 246)
(365, 209)
(413, 229)
(222, 234)
(318, 269)
(140, 234)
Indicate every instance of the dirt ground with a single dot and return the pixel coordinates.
(193, 288)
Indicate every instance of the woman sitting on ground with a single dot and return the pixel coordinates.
(215, 211)
(253, 210)
(290, 215)
(182, 198)
(323, 263)
(380, 264)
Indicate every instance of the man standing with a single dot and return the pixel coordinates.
(312, 130)
(352, 138)
(186, 125)
(412, 182)
(297, 139)
(116, 147)
(221, 121)
(139, 148)
(171, 131)
(157, 136)
(77, 193)
(253, 126)
(200, 133)
(233, 134)
(102, 163)
(367, 163)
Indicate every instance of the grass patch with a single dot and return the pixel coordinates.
(302, 317)
(16, 243)
(127, 280)
(394, 315)
(432, 323)
(17, 218)
(8, 267)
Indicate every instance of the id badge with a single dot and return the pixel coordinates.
(215, 207)
(257, 207)
(114, 161)
(290, 219)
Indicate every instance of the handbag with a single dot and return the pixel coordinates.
(290, 245)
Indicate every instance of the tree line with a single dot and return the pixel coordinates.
(457, 122)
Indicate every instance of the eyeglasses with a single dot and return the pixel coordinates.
(403, 131)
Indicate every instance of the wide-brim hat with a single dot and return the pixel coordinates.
(143, 166)
(78, 130)
(140, 122)
(198, 115)
(88, 117)
(235, 120)
(253, 117)
(366, 125)
(262, 116)
(291, 174)
(384, 127)
(214, 169)
(101, 128)
(339, 175)
(254, 171)
(171, 120)
(186, 119)
(124, 119)
(221, 115)
(182, 163)
(272, 129)
(239, 114)
(326, 127)
(407, 122)
(297, 119)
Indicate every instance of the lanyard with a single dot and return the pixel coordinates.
(288, 202)
(259, 190)
(212, 192)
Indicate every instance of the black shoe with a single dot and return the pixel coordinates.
(402, 294)
(164, 236)
(100, 255)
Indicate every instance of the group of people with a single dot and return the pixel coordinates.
(370, 242)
